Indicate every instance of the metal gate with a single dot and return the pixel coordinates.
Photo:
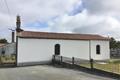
(8, 55)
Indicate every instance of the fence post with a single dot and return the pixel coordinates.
(0, 60)
(61, 59)
(73, 60)
(91, 63)
(53, 60)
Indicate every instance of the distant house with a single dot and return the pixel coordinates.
(2, 44)
(7, 49)
(115, 53)
(1, 48)
(38, 47)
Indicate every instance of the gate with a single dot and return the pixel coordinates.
(8, 55)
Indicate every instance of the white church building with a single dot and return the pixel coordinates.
(39, 47)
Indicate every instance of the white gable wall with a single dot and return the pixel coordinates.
(36, 50)
(104, 50)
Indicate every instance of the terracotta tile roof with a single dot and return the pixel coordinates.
(2, 44)
(66, 36)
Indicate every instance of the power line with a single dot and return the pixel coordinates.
(8, 10)
(5, 1)
(1, 4)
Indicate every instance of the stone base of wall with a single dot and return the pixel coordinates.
(33, 63)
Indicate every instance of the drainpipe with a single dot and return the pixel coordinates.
(89, 50)
(90, 57)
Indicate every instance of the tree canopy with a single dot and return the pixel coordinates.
(114, 44)
(3, 40)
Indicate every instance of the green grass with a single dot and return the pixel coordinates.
(87, 65)
(112, 65)
(109, 67)
(114, 61)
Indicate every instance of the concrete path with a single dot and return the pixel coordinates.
(45, 72)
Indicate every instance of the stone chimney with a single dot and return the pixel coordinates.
(13, 36)
(18, 24)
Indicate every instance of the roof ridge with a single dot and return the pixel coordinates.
(62, 33)
(53, 35)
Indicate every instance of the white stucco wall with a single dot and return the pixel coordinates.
(75, 48)
(32, 50)
(104, 50)
(35, 50)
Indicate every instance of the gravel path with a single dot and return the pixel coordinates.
(45, 72)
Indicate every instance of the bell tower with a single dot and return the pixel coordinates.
(18, 24)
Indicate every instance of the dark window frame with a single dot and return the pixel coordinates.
(98, 49)
(57, 49)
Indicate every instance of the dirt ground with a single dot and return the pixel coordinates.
(45, 72)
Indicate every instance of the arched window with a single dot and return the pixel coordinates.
(97, 49)
(57, 49)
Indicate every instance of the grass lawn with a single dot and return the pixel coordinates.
(112, 66)
(109, 67)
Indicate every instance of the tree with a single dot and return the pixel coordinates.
(3, 41)
(114, 44)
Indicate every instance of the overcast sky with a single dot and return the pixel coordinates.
(71, 16)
